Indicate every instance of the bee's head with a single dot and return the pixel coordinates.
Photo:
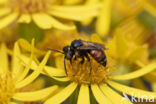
(68, 52)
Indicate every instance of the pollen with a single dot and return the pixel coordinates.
(30, 6)
(87, 73)
(7, 88)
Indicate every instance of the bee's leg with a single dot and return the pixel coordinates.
(71, 60)
(81, 62)
(90, 62)
(75, 58)
(65, 66)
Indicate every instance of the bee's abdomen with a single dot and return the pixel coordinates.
(103, 61)
(97, 54)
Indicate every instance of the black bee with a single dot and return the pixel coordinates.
(81, 49)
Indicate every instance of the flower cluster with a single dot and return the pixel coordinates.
(114, 64)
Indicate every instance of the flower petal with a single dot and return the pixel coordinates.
(89, 3)
(73, 16)
(35, 95)
(62, 95)
(99, 96)
(42, 20)
(4, 59)
(48, 70)
(77, 13)
(104, 18)
(4, 11)
(45, 21)
(132, 91)
(113, 95)
(27, 47)
(27, 68)
(52, 71)
(24, 18)
(7, 20)
(137, 73)
(35, 74)
(15, 61)
(76, 9)
(57, 24)
(66, 79)
(83, 97)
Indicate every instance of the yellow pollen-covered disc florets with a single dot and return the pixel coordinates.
(6, 88)
(30, 6)
(82, 74)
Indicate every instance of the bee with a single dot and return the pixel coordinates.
(82, 49)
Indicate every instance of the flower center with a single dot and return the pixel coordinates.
(30, 6)
(86, 73)
(6, 88)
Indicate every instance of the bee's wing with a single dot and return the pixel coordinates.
(87, 48)
(92, 44)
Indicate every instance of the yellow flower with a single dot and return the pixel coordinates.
(101, 82)
(43, 13)
(131, 36)
(14, 76)
(104, 16)
(128, 48)
(119, 9)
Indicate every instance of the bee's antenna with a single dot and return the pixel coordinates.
(55, 50)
